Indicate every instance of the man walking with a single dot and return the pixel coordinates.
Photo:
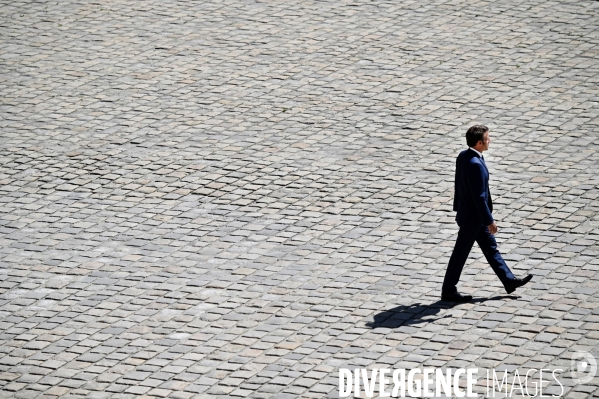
(472, 202)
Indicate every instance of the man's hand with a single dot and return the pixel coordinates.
(492, 228)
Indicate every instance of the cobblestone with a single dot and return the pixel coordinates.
(236, 198)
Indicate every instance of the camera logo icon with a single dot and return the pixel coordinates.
(583, 366)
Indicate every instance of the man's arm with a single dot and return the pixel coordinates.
(455, 185)
(478, 190)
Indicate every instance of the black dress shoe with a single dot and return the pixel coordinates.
(455, 297)
(515, 283)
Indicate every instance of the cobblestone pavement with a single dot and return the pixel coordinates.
(235, 198)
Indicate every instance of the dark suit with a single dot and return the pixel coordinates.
(474, 207)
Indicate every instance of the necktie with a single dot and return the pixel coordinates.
(483, 159)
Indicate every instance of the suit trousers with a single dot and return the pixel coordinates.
(486, 241)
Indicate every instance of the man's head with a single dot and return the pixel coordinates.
(477, 137)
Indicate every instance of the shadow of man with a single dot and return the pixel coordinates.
(405, 315)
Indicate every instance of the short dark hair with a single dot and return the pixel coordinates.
(475, 134)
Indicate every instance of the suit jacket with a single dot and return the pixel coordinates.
(472, 199)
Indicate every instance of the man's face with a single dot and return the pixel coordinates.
(485, 143)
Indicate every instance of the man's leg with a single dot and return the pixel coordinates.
(488, 245)
(463, 245)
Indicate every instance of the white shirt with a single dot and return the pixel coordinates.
(480, 155)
